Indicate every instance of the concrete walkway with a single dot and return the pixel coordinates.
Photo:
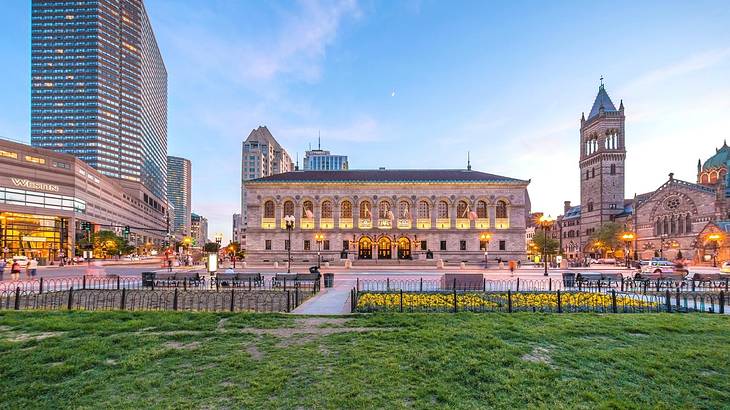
(329, 301)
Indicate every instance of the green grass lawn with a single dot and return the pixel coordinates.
(193, 360)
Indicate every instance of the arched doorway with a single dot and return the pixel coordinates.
(404, 248)
(384, 248)
(365, 248)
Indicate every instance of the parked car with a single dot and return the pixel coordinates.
(21, 259)
(78, 259)
(657, 266)
(607, 261)
(725, 268)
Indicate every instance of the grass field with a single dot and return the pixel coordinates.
(193, 360)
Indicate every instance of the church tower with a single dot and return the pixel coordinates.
(602, 158)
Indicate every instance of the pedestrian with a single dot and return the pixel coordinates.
(169, 265)
(15, 270)
(2, 268)
(32, 267)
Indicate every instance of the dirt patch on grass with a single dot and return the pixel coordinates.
(538, 354)
(221, 324)
(5, 328)
(182, 346)
(309, 329)
(24, 337)
(254, 352)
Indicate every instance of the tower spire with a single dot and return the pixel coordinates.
(468, 160)
(319, 140)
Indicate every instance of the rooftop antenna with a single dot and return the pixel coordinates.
(468, 160)
(601, 80)
(319, 140)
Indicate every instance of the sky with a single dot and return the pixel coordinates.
(418, 84)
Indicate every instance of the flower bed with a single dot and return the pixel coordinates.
(519, 301)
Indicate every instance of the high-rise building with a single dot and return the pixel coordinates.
(198, 229)
(179, 178)
(261, 156)
(321, 160)
(237, 227)
(99, 88)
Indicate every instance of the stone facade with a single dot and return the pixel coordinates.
(381, 215)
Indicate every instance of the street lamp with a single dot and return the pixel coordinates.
(714, 237)
(627, 237)
(485, 237)
(232, 250)
(289, 221)
(545, 223)
(319, 238)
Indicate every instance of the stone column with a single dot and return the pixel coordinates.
(278, 209)
(336, 208)
(452, 215)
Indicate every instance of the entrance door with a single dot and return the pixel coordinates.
(365, 248)
(404, 248)
(384, 248)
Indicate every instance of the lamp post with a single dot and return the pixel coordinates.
(485, 237)
(661, 245)
(714, 237)
(319, 238)
(545, 223)
(627, 237)
(289, 221)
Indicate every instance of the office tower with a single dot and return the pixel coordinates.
(179, 178)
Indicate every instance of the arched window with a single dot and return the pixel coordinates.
(688, 224)
(269, 209)
(404, 210)
(673, 225)
(288, 208)
(590, 206)
(366, 210)
(384, 211)
(462, 210)
(680, 223)
(307, 210)
(423, 210)
(481, 209)
(443, 210)
(613, 169)
(501, 210)
(346, 210)
(326, 211)
(665, 225)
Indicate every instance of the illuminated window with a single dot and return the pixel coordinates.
(462, 210)
(404, 210)
(423, 211)
(366, 210)
(346, 210)
(288, 208)
(501, 209)
(481, 209)
(384, 212)
(269, 209)
(307, 210)
(8, 154)
(443, 209)
(35, 160)
(326, 210)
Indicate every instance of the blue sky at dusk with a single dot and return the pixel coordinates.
(505, 80)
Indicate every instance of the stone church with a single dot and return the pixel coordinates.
(676, 219)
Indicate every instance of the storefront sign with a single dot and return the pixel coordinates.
(34, 185)
(33, 239)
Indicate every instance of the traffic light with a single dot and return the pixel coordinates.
(86, 226)
(126, 230)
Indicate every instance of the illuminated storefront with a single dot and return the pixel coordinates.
(39, 236)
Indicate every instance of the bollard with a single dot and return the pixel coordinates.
(70, 297)
(17, 298)
(560, 305)
(668, 302)
(232, 298)
(124, 299)
(613, 300)
(455, 308)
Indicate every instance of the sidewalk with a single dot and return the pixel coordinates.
(330, 301)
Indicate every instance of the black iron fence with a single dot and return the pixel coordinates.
(609, 301)
(643, 286)
(132, 293)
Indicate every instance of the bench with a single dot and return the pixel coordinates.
(281, 279)
(662, 276)
(598, 278)
(169, 279)
(240, 279)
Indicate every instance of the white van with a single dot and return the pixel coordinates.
(21, 259)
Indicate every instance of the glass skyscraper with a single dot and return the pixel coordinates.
(99, 87)
(179, 178)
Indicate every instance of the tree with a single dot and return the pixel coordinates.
(543, 241)
(608, 237)
(107, 243)
(211, 247)
(679, 255)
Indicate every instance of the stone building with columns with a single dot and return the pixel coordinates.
(376, 216)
